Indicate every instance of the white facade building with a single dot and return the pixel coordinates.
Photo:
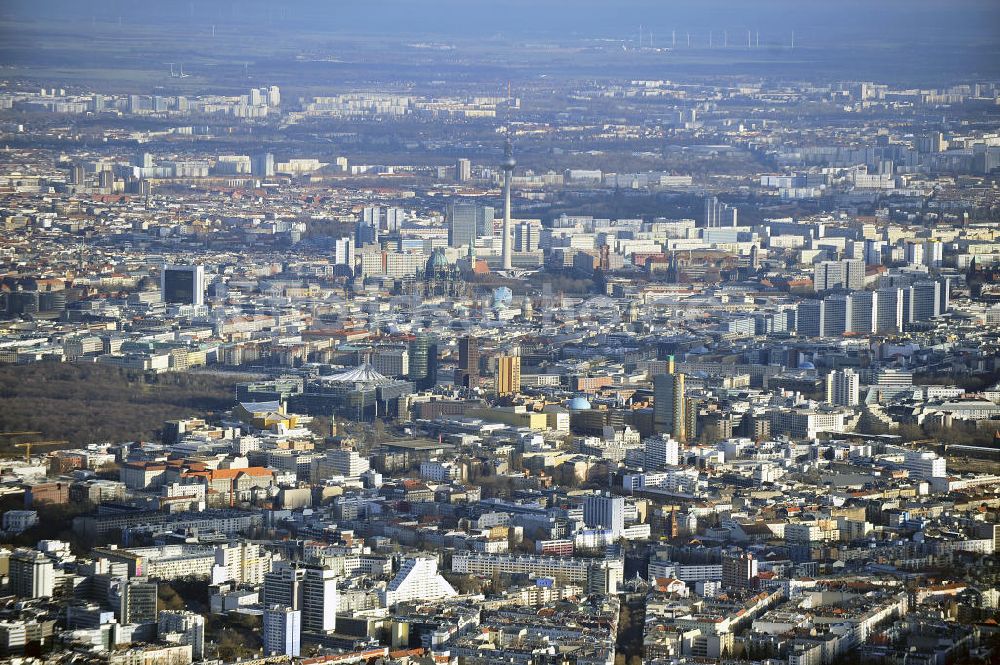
(418, 578)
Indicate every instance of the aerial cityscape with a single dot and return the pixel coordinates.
(428, 332)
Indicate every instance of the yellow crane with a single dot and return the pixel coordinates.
(29, 445)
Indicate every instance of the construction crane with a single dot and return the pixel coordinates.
(19, 433)
(29, 445)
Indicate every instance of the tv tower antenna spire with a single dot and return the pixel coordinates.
(507, 165)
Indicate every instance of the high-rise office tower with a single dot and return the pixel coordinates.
(463, 170)
(394, 219)
(106, 181)
(508, 375)
(933, 253)
(605, 511)
(669, 406)
(660, 451)
(507, 165)
(847, 274)
(183, 285)
(914, 252)
(391, 360)
(423, 361)
(463, 224)
(925, 301)
(863, 310)
(309, 588)
(32, 574)
(527, 237)
(262, 165)
(837, 315)
(366, 232)
(889, 311)
(828, 275)
(809, 318)
(282, 631)
(467, 373)
(137, 600)
(842, 387)
(874, 249)
(343, 252)
(945, 294)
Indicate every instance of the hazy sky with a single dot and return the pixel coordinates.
(896, 21)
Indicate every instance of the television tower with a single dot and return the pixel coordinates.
(507, 165)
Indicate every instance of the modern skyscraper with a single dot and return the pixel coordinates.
(394, 219)
(310, 588)
(944, 294)
(661, 451)
(889, 311)
(365, 232)
(137, 597)
(343, 252)
(863, 310)
(282, 631)
(669, 406)
(527, 237)
(925, 301)
(463, 226)
(467, 374)
(809, 318)
(508, 375)
(262, 165)
(605, 511)
(874, 250)
(842, 387)
(183, 285)
(463, 170)
(507, 165)
(837, 314)
(847, 274)
(423, 361)
(32, 574)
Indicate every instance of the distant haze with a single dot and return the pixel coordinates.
(906, 42)
(916, 22)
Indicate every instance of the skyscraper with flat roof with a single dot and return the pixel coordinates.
(467, 373)
(463, 170)
(669, 408)
(606, 512)
(843, 387)
(508, 375)
(183, 285)
(282, 631)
